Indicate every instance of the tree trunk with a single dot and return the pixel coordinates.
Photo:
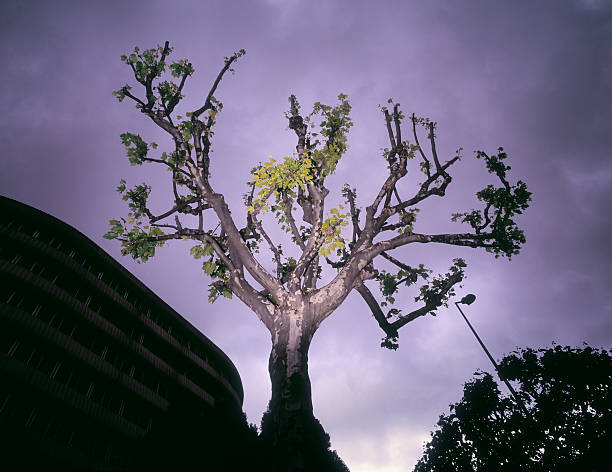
(297, 439)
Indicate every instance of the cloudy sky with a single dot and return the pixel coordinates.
(534, 77)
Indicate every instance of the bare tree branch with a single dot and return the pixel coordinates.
(350, 196)
(287, 207)
(177, 96)
(426, 192)
(314, 242)
(432, 141)
(271, 245)
(455, 239)
(159, 161)
(396, 120)
(398, 263)
(426, 163)
(428, 307)
(392, 140)
(208, 101)
(129, 95)
(377, 312)
(237, 246)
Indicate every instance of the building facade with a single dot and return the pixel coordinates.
(96, 371)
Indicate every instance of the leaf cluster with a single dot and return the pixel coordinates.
(326, 146)
(331, 232)
(148, 67)
(407, 218)
(432, 293)
(391, 282)
(334, 127)
(280, 180)
(502, 204)
(135, 235)
(568, 393)
(135, 239)
(137, 148)
(216, 269)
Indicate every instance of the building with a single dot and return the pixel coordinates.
(96, 371)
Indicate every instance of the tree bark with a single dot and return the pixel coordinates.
(297, 440)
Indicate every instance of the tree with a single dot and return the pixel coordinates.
(568, 394)
(285, 295)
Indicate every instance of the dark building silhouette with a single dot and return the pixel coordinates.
(96, 371)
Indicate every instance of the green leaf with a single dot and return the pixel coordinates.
(197, 251)
(209, 267)
(137, 148)
(121, 187)
(115, 231)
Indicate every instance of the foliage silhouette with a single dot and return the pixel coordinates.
(219, 440)
(568, 393)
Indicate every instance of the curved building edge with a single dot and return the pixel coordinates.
(93, 362)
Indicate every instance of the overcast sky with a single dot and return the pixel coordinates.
(532, 76)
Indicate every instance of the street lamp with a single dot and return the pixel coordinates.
(468, 300)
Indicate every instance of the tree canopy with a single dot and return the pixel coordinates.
(568, 394)
(276, 187)
(280, 277)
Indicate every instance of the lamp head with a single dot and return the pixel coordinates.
(468, 299)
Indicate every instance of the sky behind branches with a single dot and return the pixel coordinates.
(533, 77)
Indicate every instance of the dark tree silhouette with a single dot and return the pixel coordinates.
(568, 394)
(183, 440)
(280, 284)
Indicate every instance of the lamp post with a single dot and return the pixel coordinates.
(468, 300)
